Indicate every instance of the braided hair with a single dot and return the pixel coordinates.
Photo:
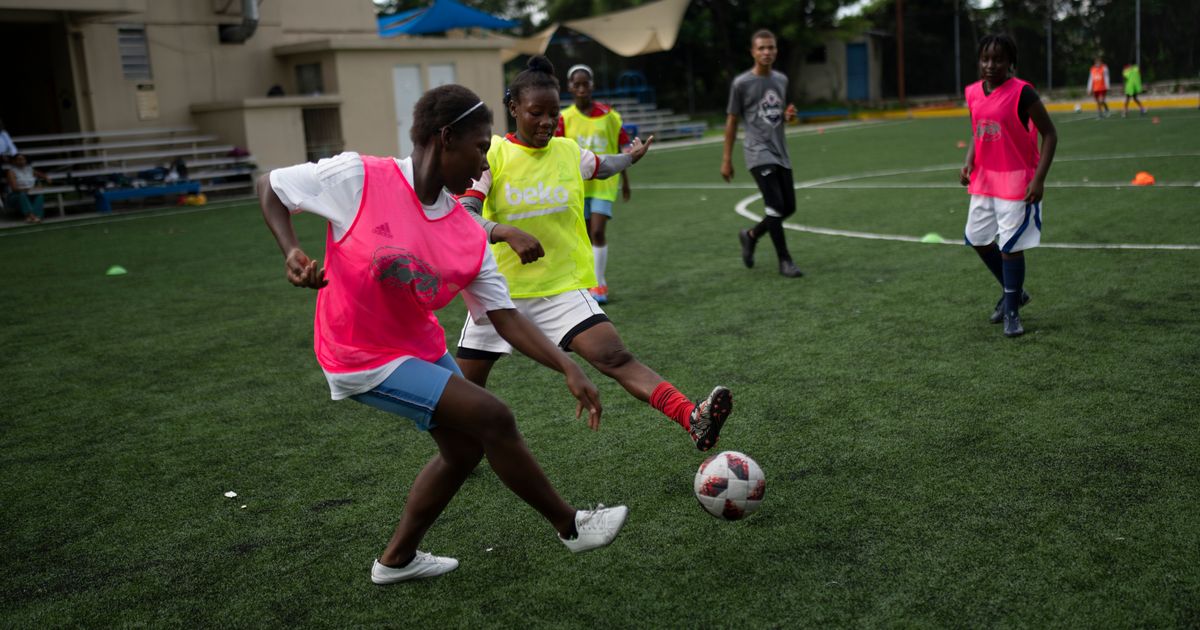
(443, 106)
(1004, 42)
(538, 73)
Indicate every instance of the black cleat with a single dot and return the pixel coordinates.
(709, 416)
(1012, 325)
(748, 243)
(998, 314)
(788, 269)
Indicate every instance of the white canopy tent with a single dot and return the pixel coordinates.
(641, 30)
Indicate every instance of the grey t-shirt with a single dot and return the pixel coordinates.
(760, 103)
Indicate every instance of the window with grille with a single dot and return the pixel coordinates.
(322, 132)
(135, 53)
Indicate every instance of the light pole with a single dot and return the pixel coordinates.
(1049, 46)
(957, 54)
(1137, 33)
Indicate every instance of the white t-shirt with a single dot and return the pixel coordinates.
(332, 188)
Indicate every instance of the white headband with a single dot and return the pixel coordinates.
(465, 114)
(579, 66)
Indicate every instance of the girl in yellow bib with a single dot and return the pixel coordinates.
(596, 127)
(531, 204)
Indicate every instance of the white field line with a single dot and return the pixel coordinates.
(742, 206)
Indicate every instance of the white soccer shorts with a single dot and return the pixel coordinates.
(1015, 224)
(560, 317)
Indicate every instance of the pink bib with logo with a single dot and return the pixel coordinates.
(1006, 152)
(388, 274)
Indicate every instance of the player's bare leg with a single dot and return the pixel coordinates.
(602, 347)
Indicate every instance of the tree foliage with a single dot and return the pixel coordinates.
(1079, 31)
(714, 40)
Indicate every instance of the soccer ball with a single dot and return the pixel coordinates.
(730, 485)
(1078, 108)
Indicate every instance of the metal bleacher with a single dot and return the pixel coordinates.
(636, 101)
(82, 166)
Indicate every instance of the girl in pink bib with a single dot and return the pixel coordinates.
(1005, 173)
(399, 247)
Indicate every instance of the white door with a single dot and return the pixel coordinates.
(406, 81)
(440, 74)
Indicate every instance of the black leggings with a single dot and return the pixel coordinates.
(779, 197)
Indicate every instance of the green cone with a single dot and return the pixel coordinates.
(933, 237)
(116, 270)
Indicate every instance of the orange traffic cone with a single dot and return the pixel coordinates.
(1143, 179)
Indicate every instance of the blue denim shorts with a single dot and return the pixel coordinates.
(412, 390)
(599, 206)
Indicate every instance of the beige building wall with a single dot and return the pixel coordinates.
(828, 80)
(190, 65)
(221, 87)
(369, 104)
(273, 128)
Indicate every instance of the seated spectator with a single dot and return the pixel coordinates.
(7, 148)
(21, 181)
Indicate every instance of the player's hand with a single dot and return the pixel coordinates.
(638, 148)
(964, 176)
(1033, 194)
(586, 393)
(302, 271)
(523, 244)
(625, 193)
(727, 170)
(789, 114)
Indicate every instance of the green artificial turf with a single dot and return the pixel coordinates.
(922, 469)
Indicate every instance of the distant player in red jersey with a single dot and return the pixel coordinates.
(1097, 86)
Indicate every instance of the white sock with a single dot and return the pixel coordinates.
(601, 256)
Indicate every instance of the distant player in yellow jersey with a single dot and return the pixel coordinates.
(596, 127)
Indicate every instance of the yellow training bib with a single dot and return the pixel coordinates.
(600, 136)
(540, 191)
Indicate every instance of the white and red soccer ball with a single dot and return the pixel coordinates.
(730, 485)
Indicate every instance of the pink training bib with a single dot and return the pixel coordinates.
(1006, 152)
(388, 274)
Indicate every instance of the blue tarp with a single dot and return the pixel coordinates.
(439, 17)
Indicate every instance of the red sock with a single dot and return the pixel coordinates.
(673, 404)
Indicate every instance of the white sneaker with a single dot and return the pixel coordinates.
(596, 528)
(422, 566)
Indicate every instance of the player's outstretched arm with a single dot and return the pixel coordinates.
(302, 271)
(517, 330)
(1045, 126)
(637, 148)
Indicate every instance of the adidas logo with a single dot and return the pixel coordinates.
(383, 230)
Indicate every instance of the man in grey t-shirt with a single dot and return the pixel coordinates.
(758, 96)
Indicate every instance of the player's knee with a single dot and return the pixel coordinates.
(498, 422)
(613, 359)
(464, 456)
